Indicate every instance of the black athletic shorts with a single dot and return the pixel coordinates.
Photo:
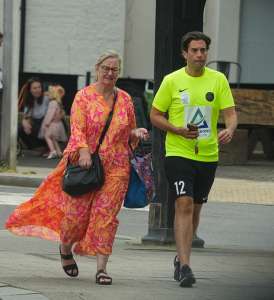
(187, 177)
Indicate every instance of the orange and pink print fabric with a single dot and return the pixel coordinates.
(90, 221)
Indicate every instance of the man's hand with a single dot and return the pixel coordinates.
(230, 116)
(225, 136)
(191, 132)
(159, 120)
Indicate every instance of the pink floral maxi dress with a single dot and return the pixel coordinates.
(89, 221)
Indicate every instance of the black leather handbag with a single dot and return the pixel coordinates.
(78, 181)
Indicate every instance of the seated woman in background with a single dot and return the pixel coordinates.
(52, 129)
(34, 104)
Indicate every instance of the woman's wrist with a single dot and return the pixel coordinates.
(133, 133)
(83, 151)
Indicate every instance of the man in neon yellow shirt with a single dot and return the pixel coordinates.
(187, 107)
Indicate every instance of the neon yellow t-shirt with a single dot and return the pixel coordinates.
(196, 100)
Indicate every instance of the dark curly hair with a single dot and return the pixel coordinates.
(194, 36)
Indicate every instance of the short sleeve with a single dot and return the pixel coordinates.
(78, 122)
(225, 96)
(163, 97)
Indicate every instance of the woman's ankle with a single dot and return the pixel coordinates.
(66, 248)
(102, 261)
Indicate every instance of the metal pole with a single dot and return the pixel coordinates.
(10, 82)
(183, 16)
(88, 75)
(22, 36)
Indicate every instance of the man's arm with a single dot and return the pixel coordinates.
(159, 120)
(230, 117)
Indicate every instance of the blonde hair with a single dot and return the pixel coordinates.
(107, 54)
(56, 92)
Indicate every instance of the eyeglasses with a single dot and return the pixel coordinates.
(106, 69)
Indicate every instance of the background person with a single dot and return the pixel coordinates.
(192, 96)
(52, 128)
(87, 224)
(34, 105)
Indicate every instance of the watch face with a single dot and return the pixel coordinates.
(209, 96)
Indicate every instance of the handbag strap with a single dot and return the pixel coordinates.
(107, 122)
(134, 153)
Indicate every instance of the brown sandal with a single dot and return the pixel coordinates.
(103, 278)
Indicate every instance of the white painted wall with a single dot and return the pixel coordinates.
(242, 31)
(140, 39)
(228, 28)
(222, 24)
(1, 14)
(211, 13)
(257, 42)
(1, 29)
(67, 36)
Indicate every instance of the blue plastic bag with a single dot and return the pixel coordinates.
(136, 196)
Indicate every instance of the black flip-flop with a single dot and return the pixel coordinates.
(69, 269)
(103, 278)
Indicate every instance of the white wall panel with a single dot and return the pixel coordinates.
(140, 38)
(256, 41)
(1, 29)
(66, 36)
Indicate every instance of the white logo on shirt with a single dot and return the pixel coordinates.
(200, 116)
(184, 97)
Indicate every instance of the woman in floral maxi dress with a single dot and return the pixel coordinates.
(86, 223)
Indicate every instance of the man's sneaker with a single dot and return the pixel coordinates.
(176, 264)
(197, 242)
(186, 277)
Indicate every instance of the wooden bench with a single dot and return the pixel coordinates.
(255, 110)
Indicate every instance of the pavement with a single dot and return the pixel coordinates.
(251, 183)
(224, 270)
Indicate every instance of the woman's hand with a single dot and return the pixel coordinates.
(84, 158)
(139, 133)
(26, 124)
